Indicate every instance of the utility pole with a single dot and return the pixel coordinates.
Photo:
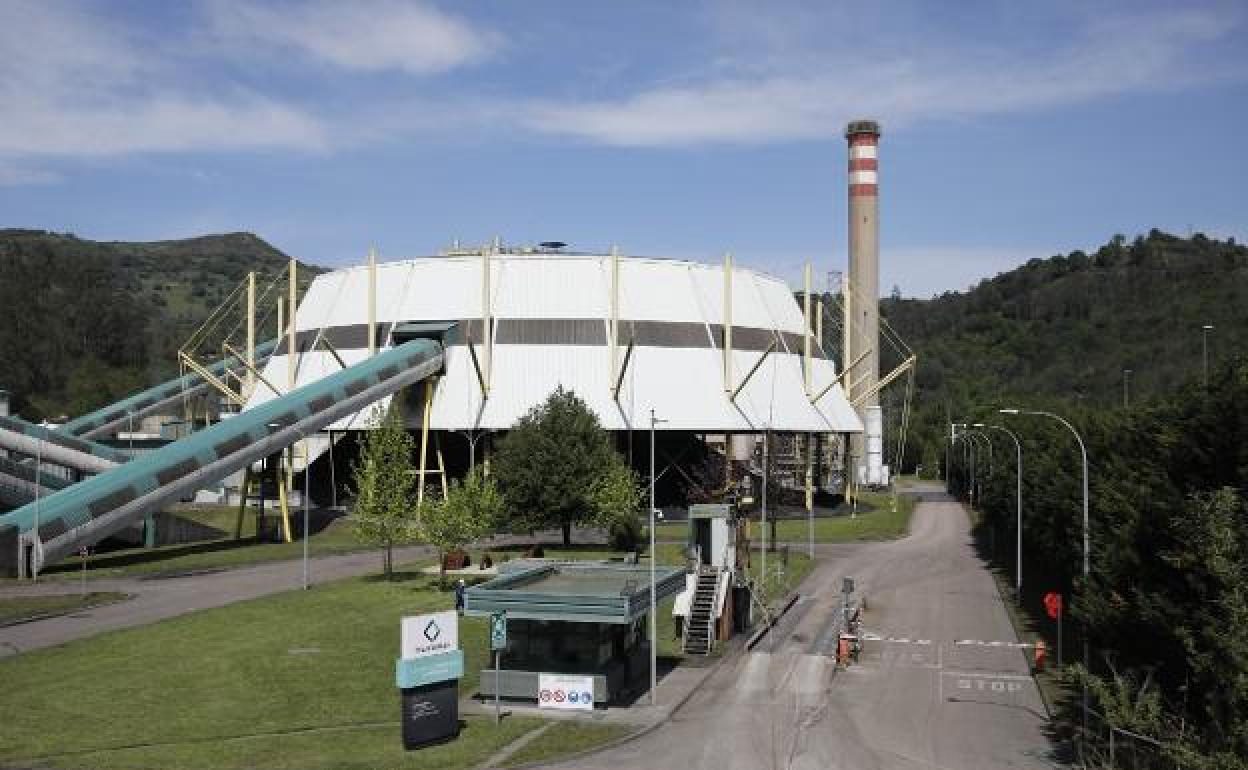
(1204, 348)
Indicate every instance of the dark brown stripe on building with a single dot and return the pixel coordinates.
(575, 331)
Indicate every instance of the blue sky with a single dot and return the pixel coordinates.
(1011, 130)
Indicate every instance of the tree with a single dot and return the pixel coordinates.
(384, 513)
(616, 499)
(471, 510)
(548, 463)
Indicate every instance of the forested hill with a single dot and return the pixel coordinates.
(85, 322)
(1062, 330)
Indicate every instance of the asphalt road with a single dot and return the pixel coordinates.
(906, 705)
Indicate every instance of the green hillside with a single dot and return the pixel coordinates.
(84, 322)
(1060, 331)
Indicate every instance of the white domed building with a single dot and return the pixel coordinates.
(627, 334)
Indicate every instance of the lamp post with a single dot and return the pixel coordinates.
(1204, 350)
(654, 625)
(37, 544)
(307, 493)
(1018, 496)
(1083, 451)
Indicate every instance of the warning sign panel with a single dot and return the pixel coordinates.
(565, 691)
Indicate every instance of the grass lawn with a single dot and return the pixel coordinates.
(195, 684)
(17, 608)
(876, 520)
(295, 680)
(567, 737)
(335, 538)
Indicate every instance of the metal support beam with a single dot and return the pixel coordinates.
(372, 301)
(728, 323)
(806, 330)
(885, 380)
(332, 351)
(424, 446)
(476, 367)
(616, 373)
(211, 379)
(619, 378)
(487, 318)
(753, 369)
(250, 359)
(836, 380)
(252, 371)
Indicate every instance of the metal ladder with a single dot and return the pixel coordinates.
(700, 623)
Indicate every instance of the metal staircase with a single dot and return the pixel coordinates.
(700, 623)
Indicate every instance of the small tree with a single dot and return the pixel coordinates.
(384, 514)
(549, 461)
(470, 511)
(616, 499)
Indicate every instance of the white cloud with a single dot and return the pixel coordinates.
(371, 36)
(76, 85)
(814, 97)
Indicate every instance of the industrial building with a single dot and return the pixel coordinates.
(710, 353)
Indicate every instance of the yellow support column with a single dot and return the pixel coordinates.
(284, 482)
(242, 503)
(424, 446)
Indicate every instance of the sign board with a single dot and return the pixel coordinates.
(430, 714)
(418, 672)
(498, 630)
(565, 691)
(431, 634)
(1053, 604)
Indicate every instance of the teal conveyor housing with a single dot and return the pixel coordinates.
(21, 483)
(91, 510)
(72, 452)
(114, 417)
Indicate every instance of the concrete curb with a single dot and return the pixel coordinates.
(643, 731)
(50, 615)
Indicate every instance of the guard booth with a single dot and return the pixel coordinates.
(715, 602)
(575, 618)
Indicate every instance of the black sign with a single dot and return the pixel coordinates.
(430, 713)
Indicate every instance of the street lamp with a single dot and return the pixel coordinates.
(1204, 349)
(969, 449)
(37, 545)
(654, 624)
(1083, 451)
(1018, 494)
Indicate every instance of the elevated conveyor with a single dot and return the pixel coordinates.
(79, 454)
(108, 420)
(97, 507)
(18, 483)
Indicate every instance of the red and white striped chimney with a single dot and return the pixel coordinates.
(864, 251)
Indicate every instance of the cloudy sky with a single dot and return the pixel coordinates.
(1011, 130)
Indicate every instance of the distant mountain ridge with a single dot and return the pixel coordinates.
(1063, 330)
(83, 322)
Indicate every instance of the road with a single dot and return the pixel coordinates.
(906, 706)
(158, 599)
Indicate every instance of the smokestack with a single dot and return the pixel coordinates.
(863, 137)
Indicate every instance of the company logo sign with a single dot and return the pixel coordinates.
(431, 634)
